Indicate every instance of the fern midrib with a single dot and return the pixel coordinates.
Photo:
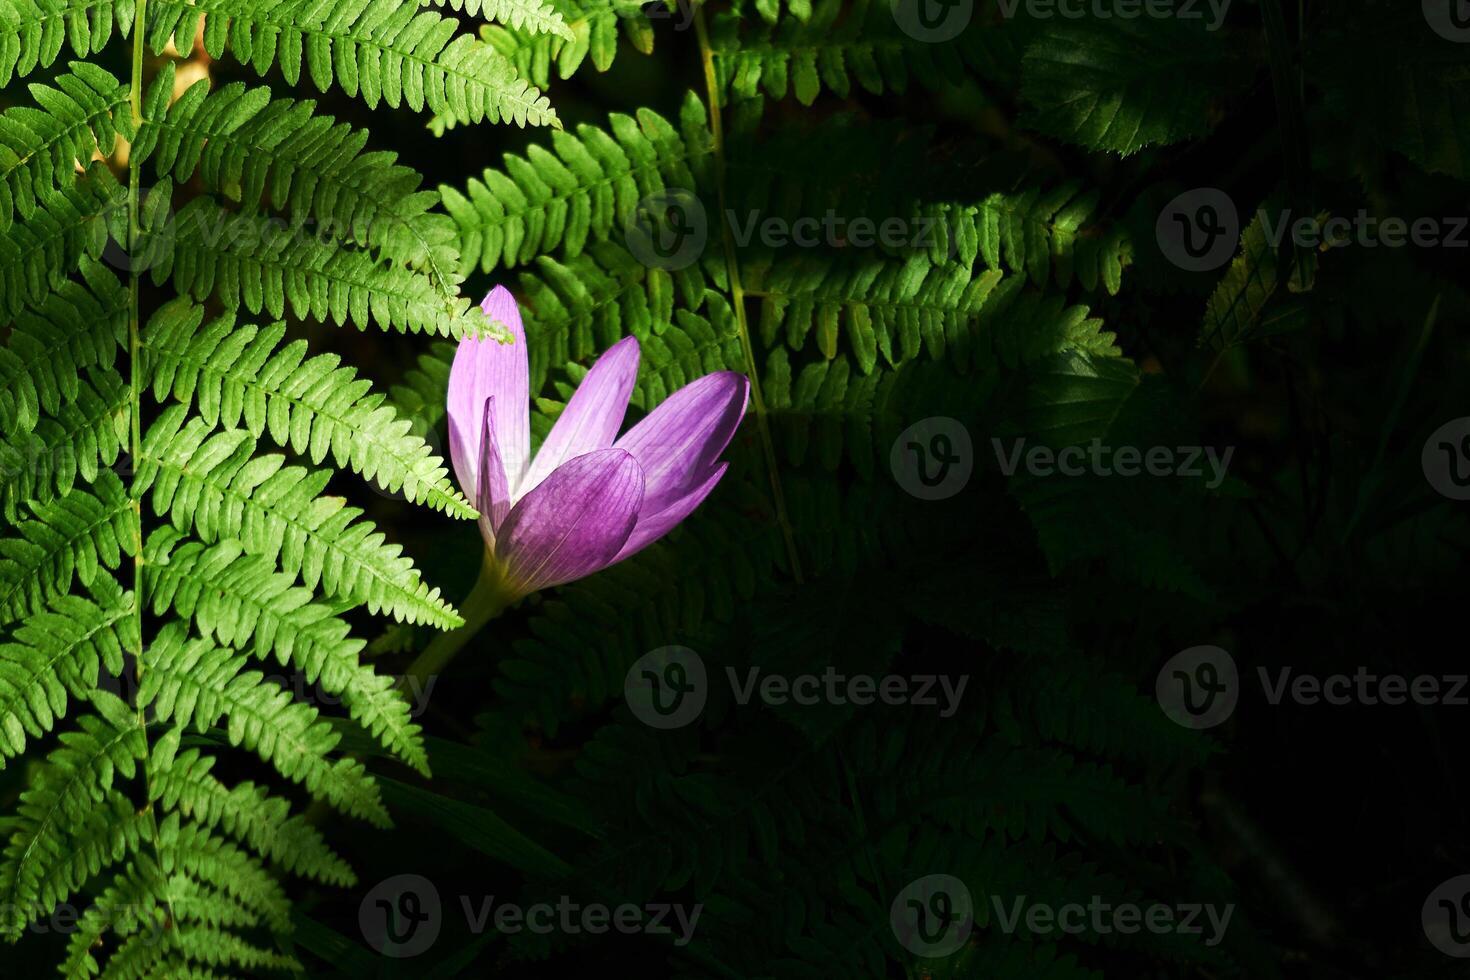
(215, 8)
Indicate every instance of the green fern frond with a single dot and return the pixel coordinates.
(267, 266)
(58, 652)
(72, 537)
(76, 327)
(257, 151)
(531, 16)
(40, 147)
(584, 188)
(212, 482)
(85, 435)
(193, 682)
(378, 50)
(33, 33)
(66, 227)
(241, 602)
(237, 375)
(593, 28)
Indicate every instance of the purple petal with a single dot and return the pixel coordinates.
(592, 418)
(652, 527)
(493, 497)
(681, 439)
(484, 369)
(574, 523)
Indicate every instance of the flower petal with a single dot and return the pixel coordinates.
(593, 416)
(574, 523)
(493, 497)
(482, 369)
(681, 439)
(651, 527)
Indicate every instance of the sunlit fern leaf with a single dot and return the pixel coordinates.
(40, 147)
(195, 682)
(241, 602)
(379, 50)
(243, 375)
(34, 32)
(585, 188)
(265, 265)
(56, 655)
(70, 538)
(593, 27)
(213, 483)
(76, 327)
(258, 151)
(531, 16)
(37, 254)
(84, 436)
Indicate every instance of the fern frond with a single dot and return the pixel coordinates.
(58, 652)
(593, 27)
(72, 537)
(378, 50)
(76, 327)
(247, 812)
(264, 265)
(242, 374)
(257, 151)
(194, 682)
(85, 435)
(214, 483)
(531, 16)
(33, 33)
(67, 226)
(40, 147)
(242, 602)
(584, 188)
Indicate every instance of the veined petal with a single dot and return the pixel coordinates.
(484, 369)
(493, 497)
(574, 523)
(651, 527)
(593, 416)
(681, 439)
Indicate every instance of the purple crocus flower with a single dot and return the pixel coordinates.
(588, 499)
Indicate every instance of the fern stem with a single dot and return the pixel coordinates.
(737, 294)
(135, 405)
(488, 599)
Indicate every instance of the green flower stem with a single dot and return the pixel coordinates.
(488, 599)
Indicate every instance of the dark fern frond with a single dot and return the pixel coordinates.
(66, 227)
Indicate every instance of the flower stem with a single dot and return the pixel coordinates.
(488, 599)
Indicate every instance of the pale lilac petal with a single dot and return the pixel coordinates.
(593, 416)
(681, 439)
(574, 523)
(493, 498)
(484, 369)
(651, 527)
